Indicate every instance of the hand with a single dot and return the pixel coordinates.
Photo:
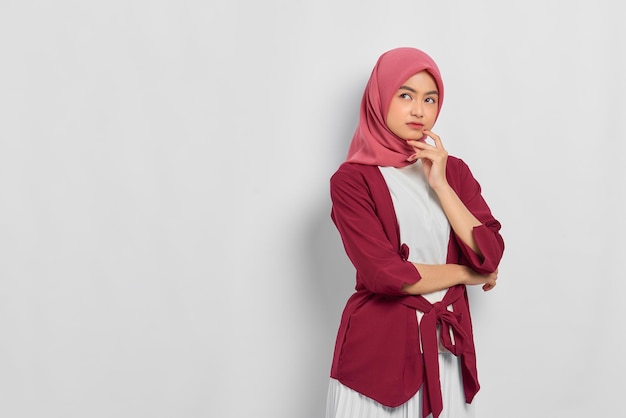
(487, 280)
(434, 159)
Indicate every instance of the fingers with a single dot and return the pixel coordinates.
(487, 281)
(420, 144)
(423, 150)
(423, 145)
(436, 138)
(491, 281)
(489, 286)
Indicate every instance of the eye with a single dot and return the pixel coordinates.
(430, 100)
(406, 96)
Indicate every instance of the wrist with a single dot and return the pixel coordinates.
(463, 274)
(442, 188)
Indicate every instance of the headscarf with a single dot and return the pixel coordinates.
(373, 143)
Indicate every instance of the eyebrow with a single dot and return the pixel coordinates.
(412, 90)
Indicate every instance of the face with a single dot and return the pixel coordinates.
(414, 107)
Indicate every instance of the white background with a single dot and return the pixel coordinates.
(165, 242)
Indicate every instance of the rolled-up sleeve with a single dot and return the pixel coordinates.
(381, 264)
(487, 235)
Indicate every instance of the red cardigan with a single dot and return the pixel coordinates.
(377, 348)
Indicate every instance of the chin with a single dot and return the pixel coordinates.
(411, 136)
(421, 137)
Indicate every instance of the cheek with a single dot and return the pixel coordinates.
(396, 111)
(433, 114)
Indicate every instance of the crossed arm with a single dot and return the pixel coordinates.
(462, 221)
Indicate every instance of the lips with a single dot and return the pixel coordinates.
(415, 125)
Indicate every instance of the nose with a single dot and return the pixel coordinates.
(417, 108)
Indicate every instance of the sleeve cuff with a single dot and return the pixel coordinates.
(491, 246)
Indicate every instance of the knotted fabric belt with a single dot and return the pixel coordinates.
(434, 314)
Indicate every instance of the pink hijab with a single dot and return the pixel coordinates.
(373, 143)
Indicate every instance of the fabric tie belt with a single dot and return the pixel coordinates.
(434, 314)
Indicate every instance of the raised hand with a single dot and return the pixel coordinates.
(434, 159)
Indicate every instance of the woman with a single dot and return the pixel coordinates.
(415, 226)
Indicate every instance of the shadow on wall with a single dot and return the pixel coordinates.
(331, 283)
(329, 272)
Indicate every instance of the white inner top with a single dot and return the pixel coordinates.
(424, 227)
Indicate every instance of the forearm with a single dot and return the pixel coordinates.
(443, 276)
(461, 219)
(436, 277)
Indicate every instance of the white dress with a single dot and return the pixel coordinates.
(425, 229)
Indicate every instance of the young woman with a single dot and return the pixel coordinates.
(418, 231)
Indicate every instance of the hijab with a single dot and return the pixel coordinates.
(373, 143)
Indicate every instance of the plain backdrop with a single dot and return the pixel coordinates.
(165, 242)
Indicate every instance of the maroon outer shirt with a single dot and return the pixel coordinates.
(377, 349)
